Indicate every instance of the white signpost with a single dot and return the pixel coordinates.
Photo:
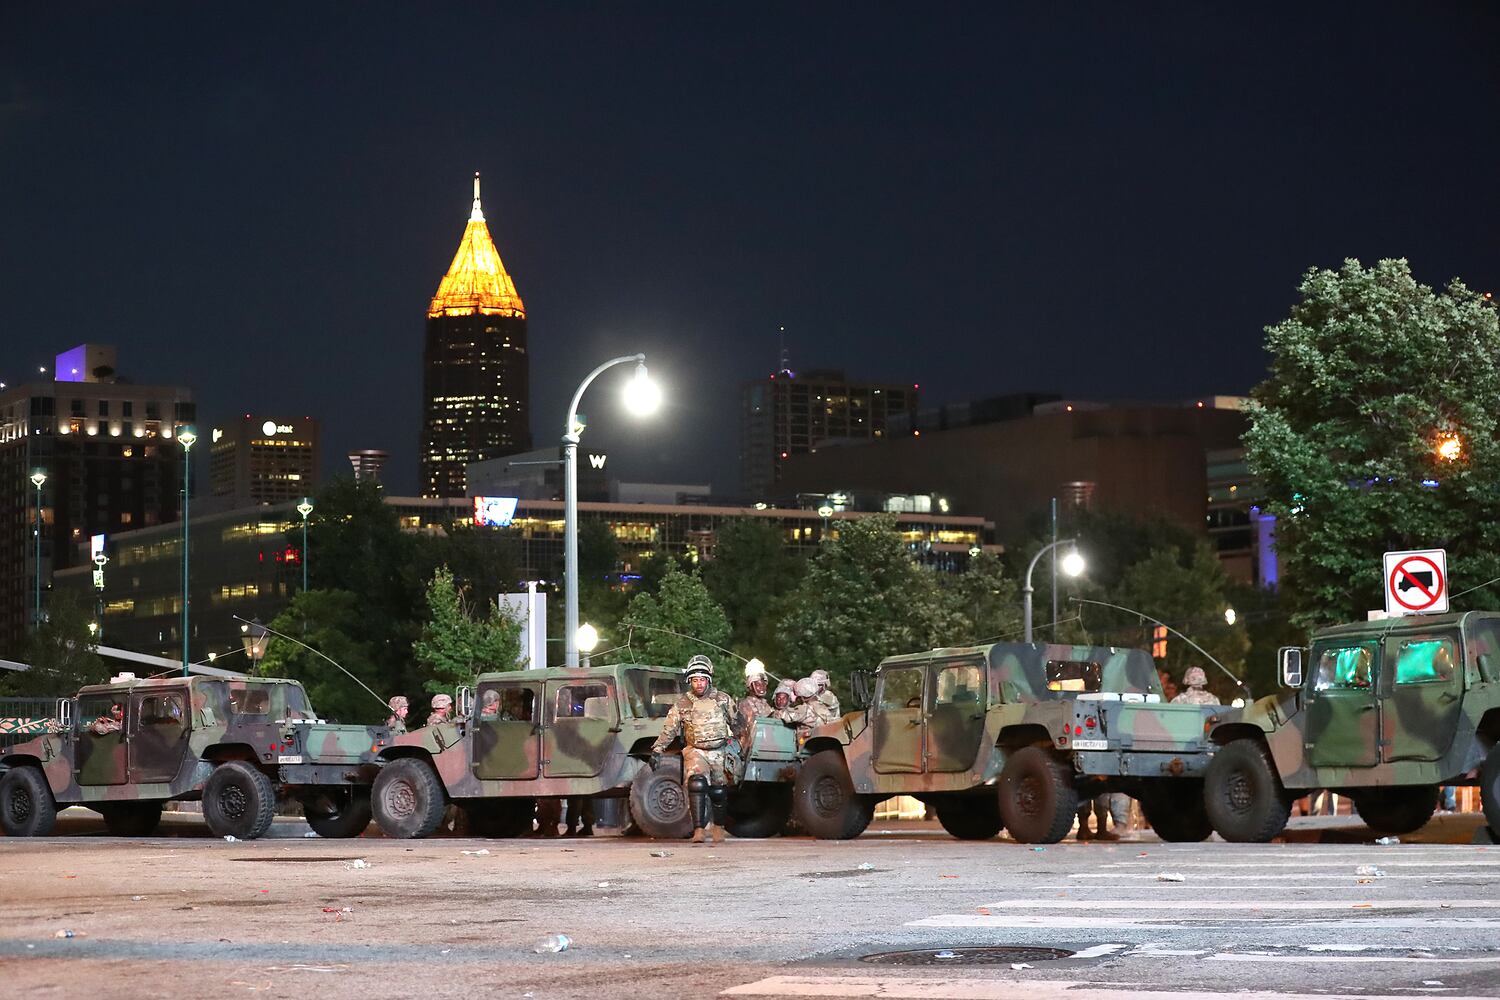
(530, 609)
(1416, 582)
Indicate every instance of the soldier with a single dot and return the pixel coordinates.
(442, 709)
(754, 705)
(808, 712)
(580, 816)
(825, 693)
(110, 723)
(399, 710)
(782, 700)
(707, 721)
(1196, 693)
(489, 705)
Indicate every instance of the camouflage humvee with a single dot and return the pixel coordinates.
(1385, 712)
(533, 734)
(126, 747)
(1010, 735)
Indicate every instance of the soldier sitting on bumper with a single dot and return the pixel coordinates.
(707, 722)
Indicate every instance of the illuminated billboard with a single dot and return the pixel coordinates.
(494, 512)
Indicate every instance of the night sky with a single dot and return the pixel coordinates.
(1103, 200)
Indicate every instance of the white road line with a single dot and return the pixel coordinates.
(956, 988)
(1181, 903)
(1299, 876)
(1362, 959)
(1263, 917)
(1100, 950)
(1304, 863)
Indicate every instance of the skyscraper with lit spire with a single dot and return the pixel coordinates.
(476, 392)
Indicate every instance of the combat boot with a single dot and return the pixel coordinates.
(716, 834)
(697, 834)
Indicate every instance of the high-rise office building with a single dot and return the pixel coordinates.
(260, 459)
(367, 463)
(790, 412)
(476, 392)
(108, 453)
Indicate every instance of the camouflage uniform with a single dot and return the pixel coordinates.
(825, 693)
(442, 709)
(706, 725)
(753, 706)
(397, 723)
(1195, 694)
(103, 725)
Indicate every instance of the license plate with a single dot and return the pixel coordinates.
(1091, 744)
(289, 759)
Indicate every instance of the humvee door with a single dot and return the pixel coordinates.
(159, 733)
(898, 720)
(1342, 710)
(507, 729)
(582, 720)
(1421, 694)
(955, 717)
(101, 756)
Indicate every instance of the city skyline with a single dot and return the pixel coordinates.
(955, 200)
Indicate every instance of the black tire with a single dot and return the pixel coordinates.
(408, 799)
(1038, 802)
(659, 803)
(1489, 790)
(1174, 807)
(824, 801)
(969, 817)
(759, 809)
(338, 813)
(131, 819)
(1399, 809)
(238, 801)
(27, 808)
(500, 817)
(1243, 794)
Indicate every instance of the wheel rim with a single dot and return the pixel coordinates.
(400, 799)
(1028, 798)
(827, 796)
(20, 805)
(232, 802)
(1240, 792)
(666, 798)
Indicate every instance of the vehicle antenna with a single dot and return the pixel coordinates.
(320, 653)
(1156, 621)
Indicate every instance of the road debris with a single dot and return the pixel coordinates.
(483, 852)
(1171, 877)
(1018, 966)
(945, 955)
(360, 863)
(865, 866)
(552, 944)
(69, 934)
(661, 854)
(1387, 841)
(1369, 870)
(229, 839)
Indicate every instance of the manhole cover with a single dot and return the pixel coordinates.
(966, 956)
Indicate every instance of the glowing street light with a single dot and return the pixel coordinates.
(588, 640)
(38, 479)
(1072, 565)
(304, 508)
(1229, 616)
(1450, 448)
(642, 397)
(185, 437)
(254, 637)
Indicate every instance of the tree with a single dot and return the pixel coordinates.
(61, 653)
(1377, 430)
(332, 622)
(984, 601)
(751, 565)
(863, 598)
(456, 646)
(682, 605)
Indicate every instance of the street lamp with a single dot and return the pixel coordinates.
(642, 397)
(99, 560)
(1230, 616)
(37, 479)
(255, 637)
(185, 437)
(1072, 565)
(588, 638)
(304, 508)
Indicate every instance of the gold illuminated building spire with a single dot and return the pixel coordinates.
(476, 282)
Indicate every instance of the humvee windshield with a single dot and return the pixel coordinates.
(1344, 667)
(1074, 676)
(652, 695)
(285, 701)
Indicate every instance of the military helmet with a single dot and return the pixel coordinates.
(821, 676)
(442, 701)
(1195, 677)
(398, 702)
(786, 688)
(806, 688)
(700, 664)
(754, 669)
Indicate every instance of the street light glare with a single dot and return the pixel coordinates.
(588, 637)
(1229, 616)
(642, 394)
(1073, 564)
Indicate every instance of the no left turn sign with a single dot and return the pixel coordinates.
(1416, 582)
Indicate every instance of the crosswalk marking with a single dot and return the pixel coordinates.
(1188, 903)
(958, 988)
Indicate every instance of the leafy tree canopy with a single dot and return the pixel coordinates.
(683, 605)
(1370, 375)
(751, 565)
(456, 644)
(332, 622)
(61, 653)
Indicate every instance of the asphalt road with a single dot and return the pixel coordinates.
(287, 916)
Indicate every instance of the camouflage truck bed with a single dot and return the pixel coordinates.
(129, 746)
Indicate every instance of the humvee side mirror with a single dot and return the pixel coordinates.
(862, 686)
(1290, 659)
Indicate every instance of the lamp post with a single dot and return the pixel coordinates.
(642, 396)
(1072, 565)
(304, 508)
(38, 478)
(255, 637)
(98, 623)
(185, 437)
(588, 640)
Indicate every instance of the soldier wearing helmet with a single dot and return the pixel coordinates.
(825, 693)
(783, 700)
(1196, 694)
(399, 709)
(707, 722)
(807, 713)
(442, 709)
(754, 705)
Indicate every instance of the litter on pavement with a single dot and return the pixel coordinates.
(1171, 877)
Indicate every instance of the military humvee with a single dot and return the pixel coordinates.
(1382, 711)
(1010, 735)
(528, 734)
(126, 747)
